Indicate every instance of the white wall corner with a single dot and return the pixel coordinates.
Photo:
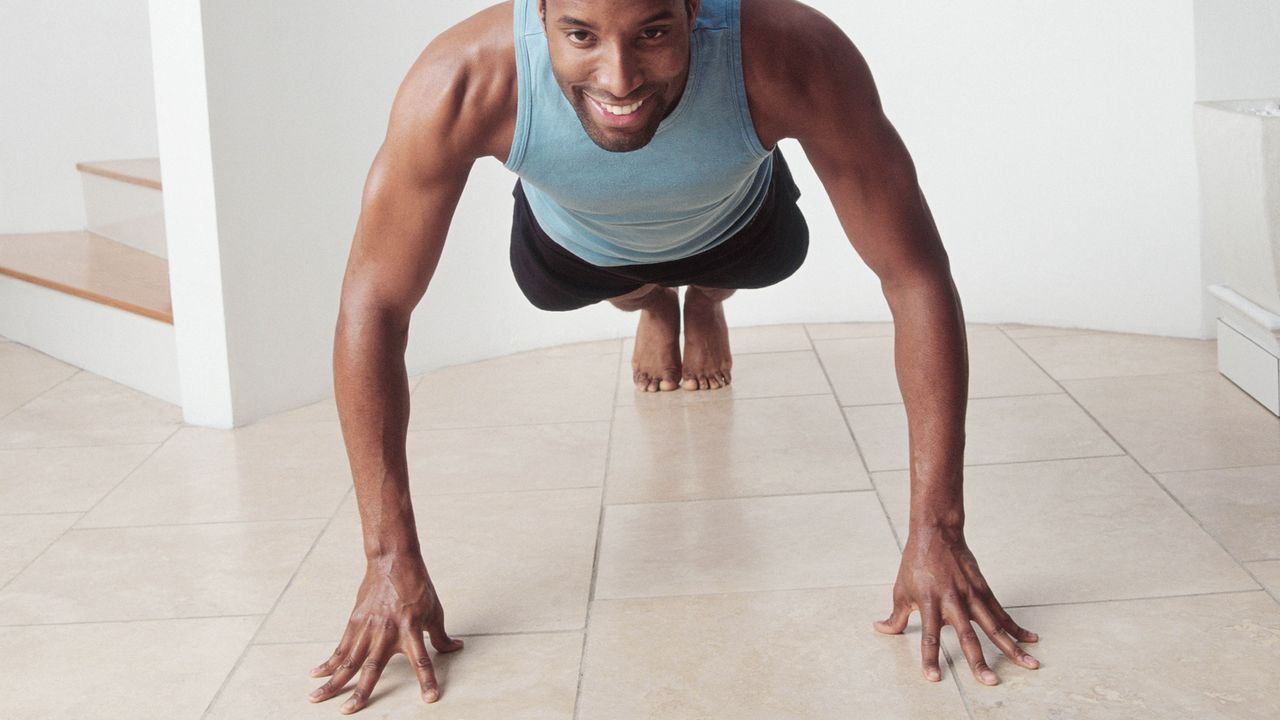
(195, 267)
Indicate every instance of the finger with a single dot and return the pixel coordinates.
(1008, 625)
(416, 650)
(327, 667)
(987, 621)
(896, 622)
(931, 625)
(370, 671)
(343, 673)
(971, 647)
(440, 639)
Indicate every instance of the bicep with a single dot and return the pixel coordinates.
(863, 163)
(405, 216)
(411, 193)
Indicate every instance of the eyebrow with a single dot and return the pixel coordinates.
(566, 20)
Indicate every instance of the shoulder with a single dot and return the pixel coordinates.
(799, 68)
(459, 97)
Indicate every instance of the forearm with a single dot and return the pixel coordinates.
(931, 358)
(372, 390)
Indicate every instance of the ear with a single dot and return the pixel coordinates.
(691, 8)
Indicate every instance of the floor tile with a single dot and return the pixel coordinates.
(521, 677)
(172, 572)
(789, 654)
(1268, 573)
(1079, 530)
(163, 670)
(754, 376)
(1073, 357)
(526, 389)
(745, 544)
(23, 537)
(1239, 506)
(765, 446)
(1206, 657)
(89, 410)
(259, 472)
(998, 430)
(27, 374)
(862, 369)
(1187, 421)
(44, 480)
(749, 340)
(317, 412)
(1017, 331)
(834, 331)
(522, 457)
(501, 562)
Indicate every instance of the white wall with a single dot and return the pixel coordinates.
(75, 84)
(1237, 49)
(1053, 141)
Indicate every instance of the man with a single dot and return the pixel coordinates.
(667, 176)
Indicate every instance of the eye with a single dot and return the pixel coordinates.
(579, 36)
(653, 33)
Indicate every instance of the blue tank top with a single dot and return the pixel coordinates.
(698, 182)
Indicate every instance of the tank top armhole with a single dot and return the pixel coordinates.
(734, 18)
(519, 140)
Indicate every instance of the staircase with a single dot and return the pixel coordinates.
(99, 298)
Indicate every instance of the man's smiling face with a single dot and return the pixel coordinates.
(622, 64)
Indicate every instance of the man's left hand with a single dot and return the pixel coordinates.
(940, 577)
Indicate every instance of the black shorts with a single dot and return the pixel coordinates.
(766, 251)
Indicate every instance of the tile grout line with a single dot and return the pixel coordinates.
(1147, 598)
(884, 511)
(595, 562)
(843, 491)
(127, 621)
(978, 397)
(1015, 462)
(274, 605)
(47, 390)
(69, 528)
(1260, 585)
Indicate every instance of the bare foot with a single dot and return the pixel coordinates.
(655, 365)
(707, 360)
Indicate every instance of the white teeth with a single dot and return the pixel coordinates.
(622, 109)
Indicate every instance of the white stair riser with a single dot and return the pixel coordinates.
(1249, 366)
(130, 349)
(125, 212)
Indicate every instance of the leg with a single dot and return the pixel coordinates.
(655, 365)
(707, 360)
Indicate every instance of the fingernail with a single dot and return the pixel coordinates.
(934, 675)
(315, 693)
(990, 678)
(431, 695)
(1031, 661)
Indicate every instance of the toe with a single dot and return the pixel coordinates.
(690, 383)
(641, 380)
(704, 383)
(671, 381)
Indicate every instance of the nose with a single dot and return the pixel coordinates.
(619, 73)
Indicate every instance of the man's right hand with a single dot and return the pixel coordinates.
(395, 605)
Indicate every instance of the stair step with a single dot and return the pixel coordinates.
(138, 171)
(91, 267)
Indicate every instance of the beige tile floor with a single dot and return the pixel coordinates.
(609, 556)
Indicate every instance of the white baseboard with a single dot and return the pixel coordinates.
(130, 349)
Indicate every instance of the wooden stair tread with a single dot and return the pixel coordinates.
(92, 267)
(139, 171)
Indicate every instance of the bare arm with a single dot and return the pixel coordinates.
(407, 207)
(871, 180)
